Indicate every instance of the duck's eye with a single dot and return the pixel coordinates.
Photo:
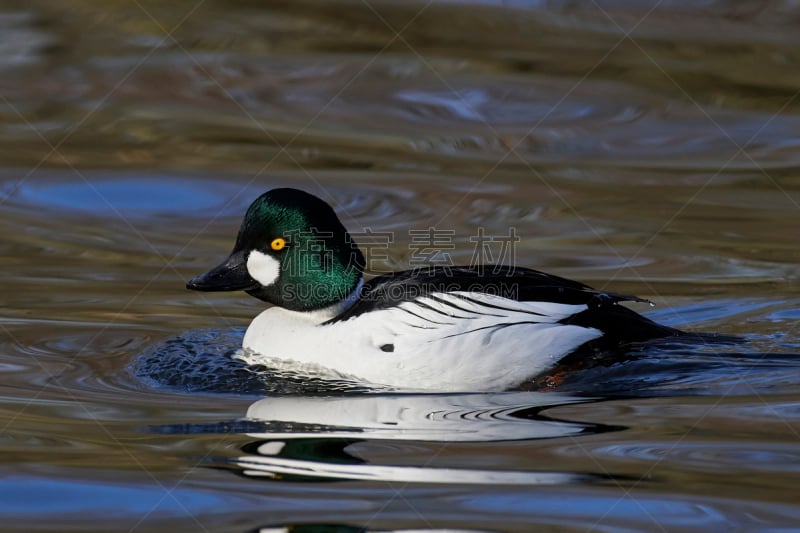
(278, 243)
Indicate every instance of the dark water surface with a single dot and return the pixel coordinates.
(644, 147)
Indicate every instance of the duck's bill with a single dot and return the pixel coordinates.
(231, 275)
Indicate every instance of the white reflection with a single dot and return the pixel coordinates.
(310, 528)
(428, 417)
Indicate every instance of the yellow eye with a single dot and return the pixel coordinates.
(278, 243)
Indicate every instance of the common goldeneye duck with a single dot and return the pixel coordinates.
(444, 328)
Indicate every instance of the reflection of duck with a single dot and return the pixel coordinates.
(305, 437)
(426, 417)
(457, 328)
(343, 528)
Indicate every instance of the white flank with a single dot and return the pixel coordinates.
(456, 341)
(263, 268)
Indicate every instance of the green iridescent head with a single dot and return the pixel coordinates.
(291, 251)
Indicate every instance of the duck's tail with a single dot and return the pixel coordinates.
(621, 325)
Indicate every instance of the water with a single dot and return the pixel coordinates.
(647, 148)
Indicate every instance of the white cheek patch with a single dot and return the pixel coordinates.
(263, 268)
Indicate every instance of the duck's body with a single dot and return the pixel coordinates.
(457, 328)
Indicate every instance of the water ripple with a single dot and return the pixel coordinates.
(707, 456)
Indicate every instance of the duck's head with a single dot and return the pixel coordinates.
(291, 251)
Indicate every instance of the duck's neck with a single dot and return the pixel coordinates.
(331, 311)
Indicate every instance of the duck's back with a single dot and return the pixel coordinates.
(510, 288)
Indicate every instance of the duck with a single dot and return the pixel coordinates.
(442, 328)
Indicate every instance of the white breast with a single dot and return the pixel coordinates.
(456, 341)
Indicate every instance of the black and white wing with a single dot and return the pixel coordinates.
(499, 297)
